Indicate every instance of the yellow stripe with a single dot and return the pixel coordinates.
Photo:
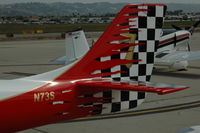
(129, 55)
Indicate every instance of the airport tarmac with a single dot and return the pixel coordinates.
(21, 58)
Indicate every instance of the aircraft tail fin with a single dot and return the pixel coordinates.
(124, 52)
(190, 29)
(126, 49)
(76, 47)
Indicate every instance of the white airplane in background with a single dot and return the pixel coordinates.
(76, 47)
(173, 48)
(112, 77)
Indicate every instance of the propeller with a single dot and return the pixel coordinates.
(175, 40)
(189, 49)
(176, 27)
(190, 29)
(188, 44)
(196, 24)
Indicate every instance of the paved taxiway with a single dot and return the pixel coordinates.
(33, 57)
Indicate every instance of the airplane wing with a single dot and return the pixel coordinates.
(109, 84)
(177, 56)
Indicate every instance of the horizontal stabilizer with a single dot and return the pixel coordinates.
(109, 84)
(177, 56)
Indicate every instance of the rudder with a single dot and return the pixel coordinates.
(132, 36)
(147, 28)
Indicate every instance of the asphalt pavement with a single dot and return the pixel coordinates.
(21, 58)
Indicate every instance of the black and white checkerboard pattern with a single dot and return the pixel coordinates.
(148, 24)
